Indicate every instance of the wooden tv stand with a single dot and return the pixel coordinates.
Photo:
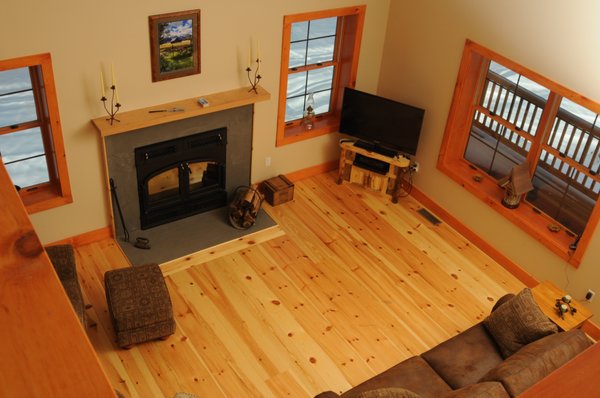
(387, 180)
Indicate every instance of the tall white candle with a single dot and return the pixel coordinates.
(112, 72)
(102, 84)
(258, 49)
(250, 55)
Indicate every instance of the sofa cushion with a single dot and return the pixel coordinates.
(328, 394)
(487, 389)
(393, 392)
(465, 358)
(537, 360)
(408, 374)
(518, 322)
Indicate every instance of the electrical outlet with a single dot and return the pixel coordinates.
(589, 296)
(414, 166)
(268, 161)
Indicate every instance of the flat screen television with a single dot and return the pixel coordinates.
(381, 125)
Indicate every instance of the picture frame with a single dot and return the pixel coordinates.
(174, 44)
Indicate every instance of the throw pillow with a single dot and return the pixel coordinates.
(518, 322)
(392, 392)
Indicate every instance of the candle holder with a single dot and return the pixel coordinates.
(114, 105)
(254, 80)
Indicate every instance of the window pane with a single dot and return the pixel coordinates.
(563, 199)
(322, 102)
(506, 158)
(294, 108)
(323, 27)
(480, 150)
(21, 144)
(28, 172)
(576, 133)
(514, 98)
(320, 50)
(493, 147)
(22, 152)
(297, 54)
(14, 80)
(521, 80)
(299, 31)
(296, 84)
(312, 42)
(16, 97)
(319, 79)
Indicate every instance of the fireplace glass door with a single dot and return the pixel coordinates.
(181, 177)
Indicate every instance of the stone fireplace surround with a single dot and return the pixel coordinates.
(121, 162)
(232, 110)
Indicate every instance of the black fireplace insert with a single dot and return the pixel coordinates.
(181, 177)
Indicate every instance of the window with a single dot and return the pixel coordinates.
(504, 115)
(30, 135)
(319, 59)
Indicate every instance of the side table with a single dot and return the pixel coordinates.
(546, 293)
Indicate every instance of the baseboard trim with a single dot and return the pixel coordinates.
(312, 171)
(468, 233)
(87, 237)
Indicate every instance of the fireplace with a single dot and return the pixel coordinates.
(181, 177)
(204, 150)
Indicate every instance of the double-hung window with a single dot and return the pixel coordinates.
(31, 144)
(505, 115)
(319, 59)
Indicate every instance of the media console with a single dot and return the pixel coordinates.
(371, 169)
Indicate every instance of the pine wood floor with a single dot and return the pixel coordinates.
(345, 287)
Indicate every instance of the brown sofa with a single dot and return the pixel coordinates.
(501, 356)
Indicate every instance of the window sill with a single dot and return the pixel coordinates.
(44, 198)
(297, 132)
(525, 216)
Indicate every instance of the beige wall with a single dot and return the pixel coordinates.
(85, 36)
(422, 53)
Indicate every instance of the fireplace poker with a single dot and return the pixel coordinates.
(140, 242)
(113, 190)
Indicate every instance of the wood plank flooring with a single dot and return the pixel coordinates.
(345, 287)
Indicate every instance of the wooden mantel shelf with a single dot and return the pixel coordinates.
(140, 118)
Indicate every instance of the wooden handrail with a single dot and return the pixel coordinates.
(44, 349)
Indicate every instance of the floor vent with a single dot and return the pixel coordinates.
(430, 217)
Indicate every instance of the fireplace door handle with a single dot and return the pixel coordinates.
(185, 167)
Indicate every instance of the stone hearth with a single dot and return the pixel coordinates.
(231, 110)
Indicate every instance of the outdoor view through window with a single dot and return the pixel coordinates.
(312, 50)
(21, 140)
(505, 129)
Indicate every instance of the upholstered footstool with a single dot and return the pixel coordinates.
(139, 304)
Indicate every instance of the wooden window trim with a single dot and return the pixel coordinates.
(347, 54)
(471, 75)
(57, 191)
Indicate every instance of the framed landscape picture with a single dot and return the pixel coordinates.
(175, 44)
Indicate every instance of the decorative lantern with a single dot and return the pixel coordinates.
(309, 114)
(516, 184)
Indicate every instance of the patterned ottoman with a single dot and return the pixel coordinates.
(139, 304)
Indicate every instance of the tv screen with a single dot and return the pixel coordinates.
(386, 125)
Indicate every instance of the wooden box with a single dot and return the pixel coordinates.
(278, 190)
